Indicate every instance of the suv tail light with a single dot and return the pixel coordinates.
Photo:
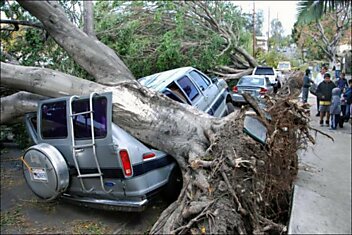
(235, 89)
(148, 155)
(263, 91)
(126, 164)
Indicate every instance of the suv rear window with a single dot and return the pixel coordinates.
(264, 71)
(250, 81)
(202, 82)
(81, 123)
(54, 122)
(188, 87)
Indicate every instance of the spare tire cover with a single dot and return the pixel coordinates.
(45, 171)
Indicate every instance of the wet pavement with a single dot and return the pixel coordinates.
(22, 212)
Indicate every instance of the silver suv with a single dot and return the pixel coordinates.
(82, 156)
(189, 85)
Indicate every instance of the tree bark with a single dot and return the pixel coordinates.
(17, 105)
(253, 63)
(96, 58)
(88, 15)
(228, 77)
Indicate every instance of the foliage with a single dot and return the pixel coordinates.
(32, 46)
(270, 58)
(313, 10)
(321, 44)
(156, 36)
(259, 19)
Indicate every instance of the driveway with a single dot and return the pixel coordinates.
(22, 212)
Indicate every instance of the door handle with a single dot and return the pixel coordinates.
(79, 150)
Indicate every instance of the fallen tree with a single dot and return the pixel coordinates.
(232, 183)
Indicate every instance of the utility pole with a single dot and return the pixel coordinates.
(254, 41)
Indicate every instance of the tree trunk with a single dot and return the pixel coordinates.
(180, 130)
(88, 15)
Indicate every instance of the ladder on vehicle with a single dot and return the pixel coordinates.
(92, 145)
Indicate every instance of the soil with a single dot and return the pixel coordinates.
(22, 212)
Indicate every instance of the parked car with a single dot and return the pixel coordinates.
(82, 156)
(191, 86)
(269, 72)
(254, 85)
(284, 66)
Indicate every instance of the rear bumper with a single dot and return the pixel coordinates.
(238, 98)
(106, 204)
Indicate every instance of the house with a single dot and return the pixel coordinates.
(262, 42)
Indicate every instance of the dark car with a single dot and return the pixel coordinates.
(254, 85)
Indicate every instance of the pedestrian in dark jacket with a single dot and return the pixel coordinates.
(335, 108)
(306, 84)
(348, 97)
(342, 83)
(324, 93)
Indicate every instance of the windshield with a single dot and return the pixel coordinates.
(251, 81)
(264, 71)
(284, 66)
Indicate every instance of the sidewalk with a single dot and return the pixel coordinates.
(322, 195)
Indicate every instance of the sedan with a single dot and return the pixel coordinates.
(254, 85)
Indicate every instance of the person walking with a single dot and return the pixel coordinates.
(342, 82)
(335, 108)
(337, 69)
(306, 84)
(318, 79)
(324, 93)
(348, 97)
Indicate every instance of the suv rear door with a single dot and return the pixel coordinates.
(55, 128)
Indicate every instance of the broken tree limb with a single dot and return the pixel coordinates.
(17, 105)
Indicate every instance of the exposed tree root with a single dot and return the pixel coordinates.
(240, 185)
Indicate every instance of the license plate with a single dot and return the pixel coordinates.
(39, 174)
(247, 92)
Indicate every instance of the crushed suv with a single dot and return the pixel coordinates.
(82, 156)
(189, 85)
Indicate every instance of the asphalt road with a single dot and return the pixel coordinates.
(23, 213)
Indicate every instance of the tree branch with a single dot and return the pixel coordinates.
(45, 82)
(18, 104)
(22, 22)
(96, 58)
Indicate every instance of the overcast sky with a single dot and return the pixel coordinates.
(285, 11)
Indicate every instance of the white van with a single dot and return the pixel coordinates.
(284, 66)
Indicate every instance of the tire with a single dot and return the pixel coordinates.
(230, 108)
(173, 186)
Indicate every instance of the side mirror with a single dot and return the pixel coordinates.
(214, 79)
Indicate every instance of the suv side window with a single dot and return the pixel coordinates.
(202, 82)
(81, 123)
(54, 121)
(188, 87)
